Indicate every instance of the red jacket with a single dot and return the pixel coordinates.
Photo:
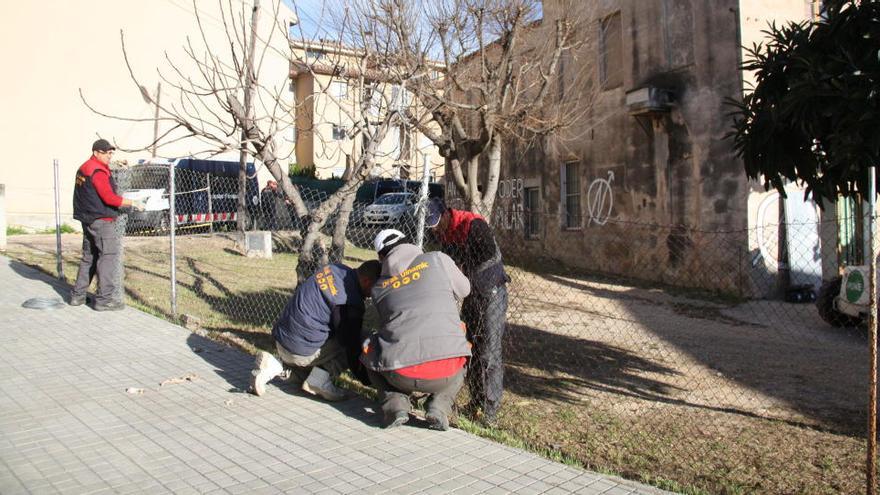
(94, 194)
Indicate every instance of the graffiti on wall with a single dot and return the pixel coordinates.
(600, 200)
(509, 211)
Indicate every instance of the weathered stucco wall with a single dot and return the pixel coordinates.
(661, 197)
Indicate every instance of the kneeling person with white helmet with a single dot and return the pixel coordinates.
(319, 330)
(420, 345)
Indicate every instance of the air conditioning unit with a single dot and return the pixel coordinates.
(648, 100)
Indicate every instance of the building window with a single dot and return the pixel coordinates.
(610, 52)
(314, 55)
(338, 132)
(571, 195)
(532, 212)
(400, 98)
(339, 89)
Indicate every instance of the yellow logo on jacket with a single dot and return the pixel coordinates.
(325, 280)
(408, 276)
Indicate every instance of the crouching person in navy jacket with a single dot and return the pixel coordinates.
(318, 333)
(420, 345)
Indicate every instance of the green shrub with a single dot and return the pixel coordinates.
(19, 230)
(294, 170)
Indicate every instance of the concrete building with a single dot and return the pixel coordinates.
(634, 186)
(330, 96)
(55, 49)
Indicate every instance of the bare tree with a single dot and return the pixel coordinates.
(486, 73)
(218, 102)
(227, 104)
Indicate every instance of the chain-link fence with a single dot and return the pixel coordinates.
(707, 361)
(699, 357)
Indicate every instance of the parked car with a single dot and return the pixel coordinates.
(146, 183)
(390, 209)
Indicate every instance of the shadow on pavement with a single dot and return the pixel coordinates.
(235, 367)
(61, 288)
(230, 364)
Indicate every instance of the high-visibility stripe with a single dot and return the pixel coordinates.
(206, 217)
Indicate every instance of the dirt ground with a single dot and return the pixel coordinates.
(728, 397)
(691, 394)
(769, 359)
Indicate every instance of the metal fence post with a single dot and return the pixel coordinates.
(871, 465)
(2, 217)
(423, 202)
(59, 266)
(173, 222)
(210, 205)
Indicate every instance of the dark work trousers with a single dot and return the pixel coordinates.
(101, 256)
(267, 201)
(394, 390)
(486, 318)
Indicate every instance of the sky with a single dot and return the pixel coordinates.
(314, 18)
(311, 14)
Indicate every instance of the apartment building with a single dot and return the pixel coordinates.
(333, 94)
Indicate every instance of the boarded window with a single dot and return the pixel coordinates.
(571, 195)
(610, 52)
(532, 212)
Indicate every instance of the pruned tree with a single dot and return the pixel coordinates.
(485, 73)
(813, 115)
(227, 104)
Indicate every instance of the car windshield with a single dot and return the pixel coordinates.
(393, 198)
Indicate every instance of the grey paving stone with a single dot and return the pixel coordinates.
(617, 490)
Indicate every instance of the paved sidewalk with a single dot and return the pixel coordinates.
(68, 424)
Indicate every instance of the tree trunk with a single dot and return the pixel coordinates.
(337, 250)
(487, 198)
(242, 214)
(308, 258)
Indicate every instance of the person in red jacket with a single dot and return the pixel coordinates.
(96, 204)
(468, 239)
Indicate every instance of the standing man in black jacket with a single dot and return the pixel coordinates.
(268, 197)
(97, 204)
(467, 238)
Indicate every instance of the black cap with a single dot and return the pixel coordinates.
(436, 208)
(102, 145)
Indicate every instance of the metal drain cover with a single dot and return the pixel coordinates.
(43, 303)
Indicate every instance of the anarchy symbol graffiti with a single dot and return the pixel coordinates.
(600, 201)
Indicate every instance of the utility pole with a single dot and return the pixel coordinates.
(156, 120)
(250, 81)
